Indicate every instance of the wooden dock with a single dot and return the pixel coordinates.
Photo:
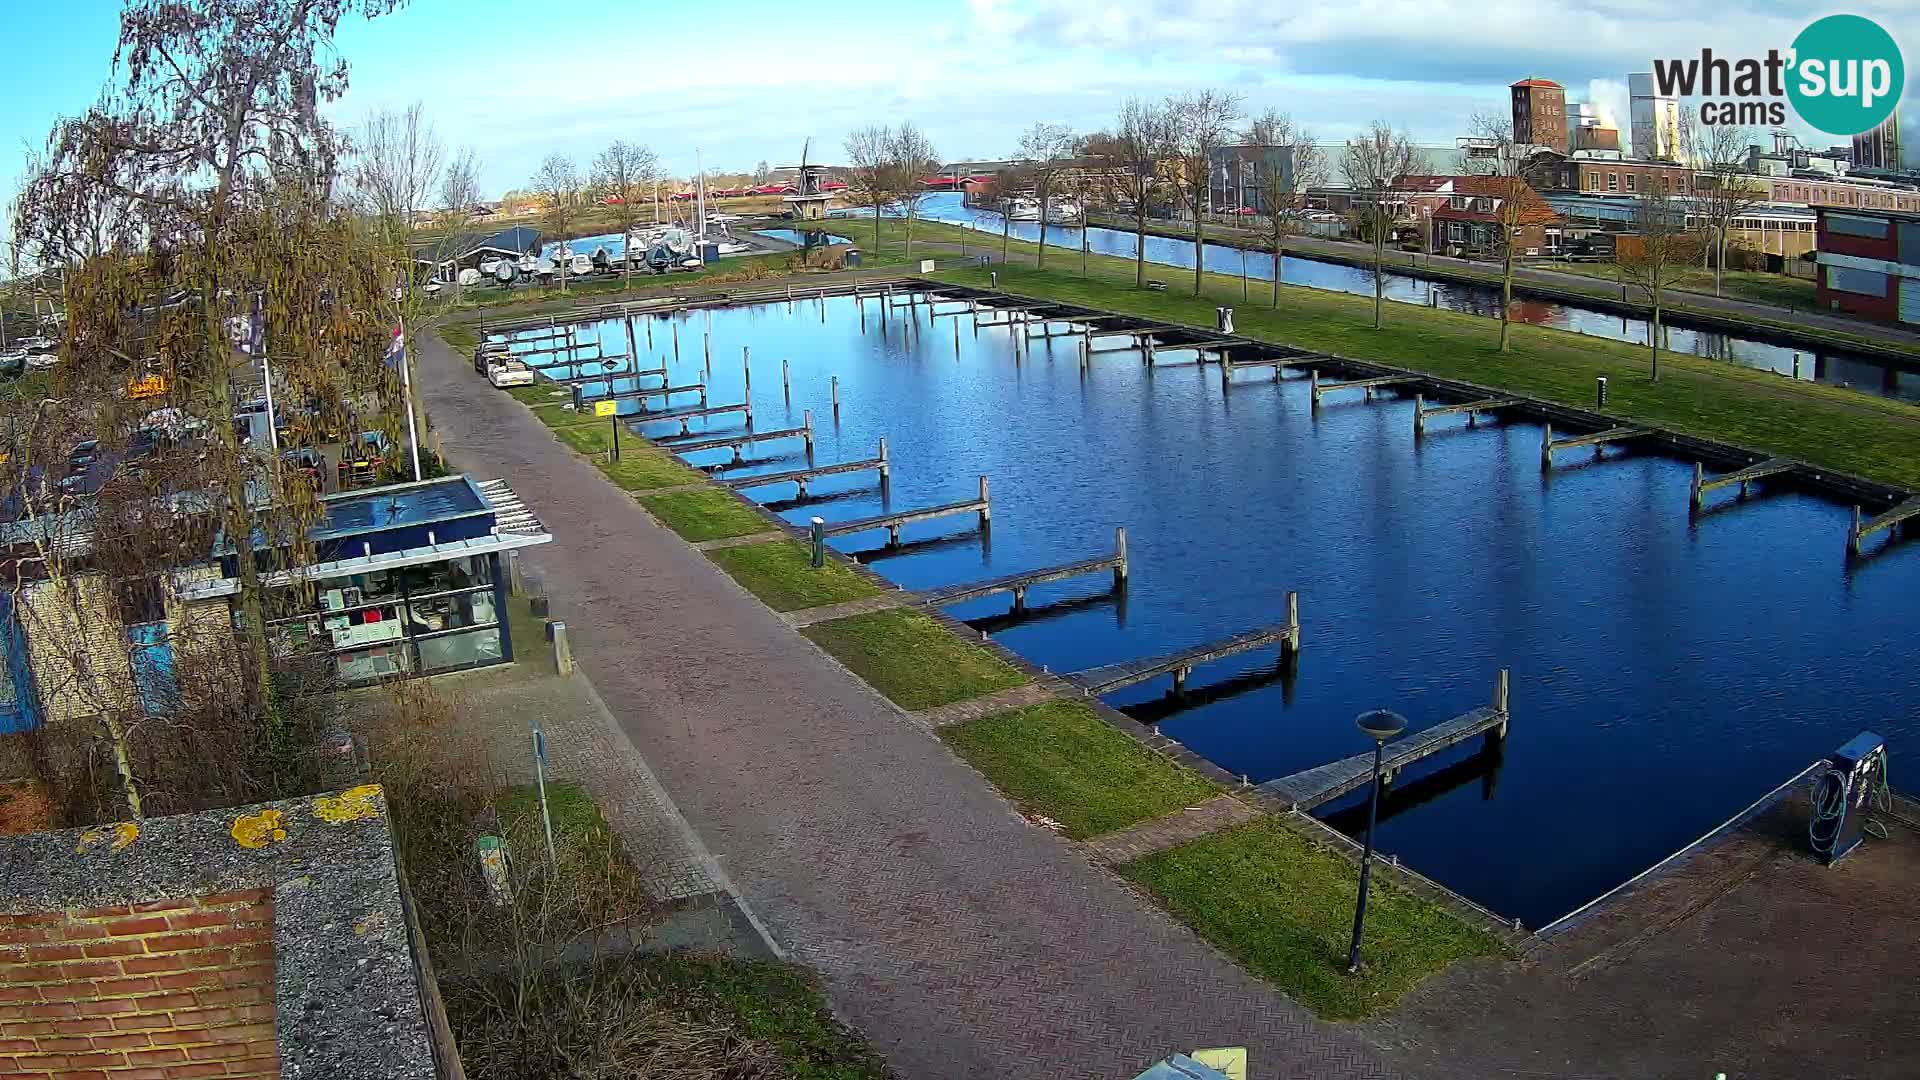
(684, 415)
(538, 335)
(577, 380)
(1019, 583)
(800, 477)
(735, 442)
(1548, 444)
(1422, 412)
(642, 394)
(1278, 361)
(1902, 511)
(1702, 483)
(1322, 784)
(1098, 681)
(892, 522)
(1320, 389)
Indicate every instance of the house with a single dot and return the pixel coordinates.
(1474, 216)
(407, 578)
(1869, 264)
(446, 257)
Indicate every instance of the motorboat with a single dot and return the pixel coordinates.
(1023, 209)
(1062, 210)
(504, 373)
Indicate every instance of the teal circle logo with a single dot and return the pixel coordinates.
(1846, 75)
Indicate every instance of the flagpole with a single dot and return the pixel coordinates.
(266, 370)
(406, 392)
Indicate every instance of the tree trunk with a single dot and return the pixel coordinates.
(1379, 282)
(909, 230)
(1040, 260)
(1506, 298)
(123, 763)
(1140, 243)
(876, 228)
(1199, 239)
(1719, 259)
(1006, 231)
(1279, 256)
(1653, 335)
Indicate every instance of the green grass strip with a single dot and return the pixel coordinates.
(1283, 906)
(1059, 759)
(642, 466)
(912, 659)
(781, 573)
(705, 515)
(778, 1004)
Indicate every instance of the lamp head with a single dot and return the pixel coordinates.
(1381, 725)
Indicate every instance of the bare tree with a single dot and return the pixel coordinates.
(1658, 253)
(558, 183)
(1198, 125)
(622, 174)
(1142, 140)
(869, 176)
(762, 172)
(910, 157)
(1046, 152)
(1514, 202)
(460, 184)
(1724, 190)
(1372, 164)
(1289, 163)
(396, 164)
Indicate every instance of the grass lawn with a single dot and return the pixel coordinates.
(912, 659)
(1841, 429)
(1763, 288)
(1059, 759)
(781, 573)
(642, 466)
(1283, 907)
(705, 515)
(780, 1005)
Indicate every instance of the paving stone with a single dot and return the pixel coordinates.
(1171, 830)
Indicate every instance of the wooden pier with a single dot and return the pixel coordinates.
(1278, 361)
(641, 395)
(1322, 784)
(1422, 412)
(684, 415)
(1613, 434)
(892, 522)
(735, 442)
(1019, 583)
(1320, 389)
(1902, 511)
(1021, 310)
(1098, 681)
(1757, 471)
(800, 477)
(578, 380)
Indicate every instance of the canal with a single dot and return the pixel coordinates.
(1833, 366)
(1666, 671)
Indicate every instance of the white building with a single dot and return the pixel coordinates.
(1655, 119)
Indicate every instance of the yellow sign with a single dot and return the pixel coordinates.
(1231, 1060)
(605, 408)
(147, 387)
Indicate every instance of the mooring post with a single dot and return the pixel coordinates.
(786, 386)
(836, 397)
(676, 341)
(1796, 366)
(893, 535)
(1313, 386)
(1292, 643)
(632, 349)
(649, 332)
(1853, 534)
(1699, 475)
(1120, 555)
(1019, 598)
(986, 508)
(818, 529)
(1419, 415)
(1546, 447)
(1226, 370)
(1500, 701)
(562, 651)
(806, 421)
(1180, 679)
(746, 365)
(886, 468)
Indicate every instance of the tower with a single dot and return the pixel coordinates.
(1540, 114)
(1654, 120)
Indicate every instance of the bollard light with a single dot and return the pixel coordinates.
(1382, 726)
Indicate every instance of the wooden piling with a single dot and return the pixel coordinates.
(1419, 415)
(1291, 644)
(1120, 551)
(836, 397)
(818, 528)
(1546, 447)
(746, 365)
(986, 508)
(1699, 477)
(806, 420)
(632, 349)
(649, 332)
(886, 467)
(786, 385)
(1853, 533)
(676, 341)
(1313, 386)
(1500, 682)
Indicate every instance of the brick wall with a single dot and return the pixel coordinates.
(156, 991)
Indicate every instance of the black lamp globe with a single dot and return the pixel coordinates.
(1382, 725)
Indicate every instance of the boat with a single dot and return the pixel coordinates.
(1062, 210)
(505, 373)
(1023, 209)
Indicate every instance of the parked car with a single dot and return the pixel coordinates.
(361, 459)
(505, 373)
(83, 454)
(308, 463)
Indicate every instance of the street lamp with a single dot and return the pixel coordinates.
(1381, 725)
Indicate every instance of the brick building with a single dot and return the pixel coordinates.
(1540, 114)
(258, 942)
(1473, 217)
(1870, 264)
(1605, 176)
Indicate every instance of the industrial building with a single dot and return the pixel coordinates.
(1540, 114)
(1654, 120)
(1870, 264)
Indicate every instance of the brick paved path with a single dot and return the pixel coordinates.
(961, 941)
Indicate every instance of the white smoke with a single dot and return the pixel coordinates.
(1611, 103)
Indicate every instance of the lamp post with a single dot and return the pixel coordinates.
(1381, 725)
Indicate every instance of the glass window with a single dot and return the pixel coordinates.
(459, 650)
(1613, 181)
(447, 576)
(1849, 225)
(1630, 182)
(1863, 282)
(451, 612)
(364, 665)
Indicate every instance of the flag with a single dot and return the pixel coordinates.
(398, 349)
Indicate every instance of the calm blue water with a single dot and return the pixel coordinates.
(615, 243)
(1665, 672)
(1833, 366)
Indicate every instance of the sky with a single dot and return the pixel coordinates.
(750, 80)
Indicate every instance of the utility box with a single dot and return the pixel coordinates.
(1843, 796)
(851, 258)
(1223, 319)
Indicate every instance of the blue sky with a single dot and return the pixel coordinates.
(520, 80)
